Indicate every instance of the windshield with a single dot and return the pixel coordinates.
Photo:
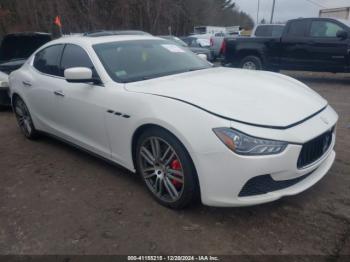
(175, 40)
(132, 61)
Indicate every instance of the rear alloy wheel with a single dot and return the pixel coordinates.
(166, 169)
(24, 119)
(251, 63)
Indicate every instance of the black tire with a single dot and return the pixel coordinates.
(190, 188)
(251, 63)
(24, 119)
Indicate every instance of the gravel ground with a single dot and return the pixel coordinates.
(57, 200)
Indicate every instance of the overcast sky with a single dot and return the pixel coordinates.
(288, 9)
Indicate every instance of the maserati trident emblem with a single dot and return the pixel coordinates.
(325, 120)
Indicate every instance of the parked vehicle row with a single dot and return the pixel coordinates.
(225, 136)
(196, 46)
(311, 44)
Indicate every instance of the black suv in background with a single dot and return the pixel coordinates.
(14, 51)
(310, 44)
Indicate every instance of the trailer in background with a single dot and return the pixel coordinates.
(340, 13)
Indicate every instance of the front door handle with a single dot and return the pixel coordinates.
(59, 93)
(26, 84)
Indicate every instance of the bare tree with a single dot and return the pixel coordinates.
(154, 16)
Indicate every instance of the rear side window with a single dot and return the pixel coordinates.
(75, 56)
(269, 31)
(263, 31)
(324, 29)
(47, 60)
(298, 28)
(277, 31)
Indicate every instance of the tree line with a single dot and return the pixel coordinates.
(153, 16)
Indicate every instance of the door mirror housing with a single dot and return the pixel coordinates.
(342, 34)
(80, 75)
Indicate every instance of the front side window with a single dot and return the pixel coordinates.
(75, 56)
(324, 29)
(47, 60)
(131, 61)
(298, 28)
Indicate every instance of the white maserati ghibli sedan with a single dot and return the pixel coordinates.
(227, 137)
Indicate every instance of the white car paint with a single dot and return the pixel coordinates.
(189, 105)
(212, 90)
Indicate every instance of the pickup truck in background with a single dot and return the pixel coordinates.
(14, 51)
(307, 44)
(217, 43)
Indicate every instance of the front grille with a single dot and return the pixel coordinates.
(261, 185)
(315, 149)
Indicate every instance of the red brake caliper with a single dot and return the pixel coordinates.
(176, 165)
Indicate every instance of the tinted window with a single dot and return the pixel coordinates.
(131, 61)
(277, 31)
(263, 31)
(324, 29)
(297, 28)
(75, 56)
(175, 40)
(47, 60)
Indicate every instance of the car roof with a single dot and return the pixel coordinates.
(85, 40)
(115, 32)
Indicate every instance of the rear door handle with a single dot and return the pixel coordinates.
(26, 84)
(59, 93)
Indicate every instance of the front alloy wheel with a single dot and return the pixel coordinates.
(166, 169)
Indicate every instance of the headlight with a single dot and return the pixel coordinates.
(247, 145)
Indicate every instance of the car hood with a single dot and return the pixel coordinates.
(252, 97)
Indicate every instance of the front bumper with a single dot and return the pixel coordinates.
(223, 174)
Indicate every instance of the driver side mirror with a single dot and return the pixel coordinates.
(80, 75)
(342, 34)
